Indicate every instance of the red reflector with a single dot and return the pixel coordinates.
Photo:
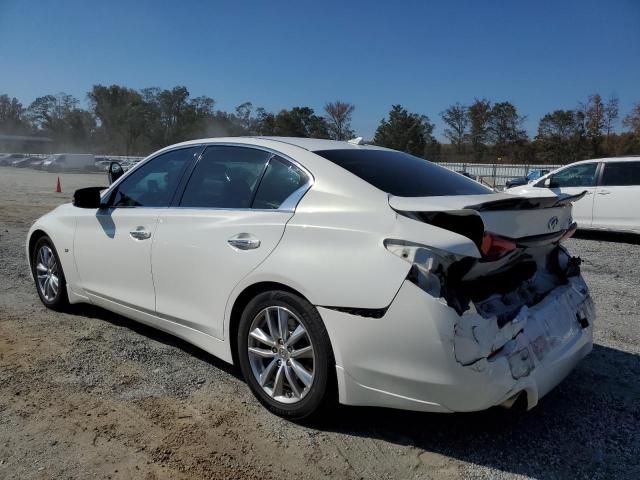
(494, 247)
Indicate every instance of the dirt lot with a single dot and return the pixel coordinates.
(90, 394)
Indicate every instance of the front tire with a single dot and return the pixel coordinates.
(285, 355)
(48, 275)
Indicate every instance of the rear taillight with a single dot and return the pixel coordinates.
(494, 247)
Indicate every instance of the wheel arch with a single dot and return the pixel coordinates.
(34, 236)
(241, 302)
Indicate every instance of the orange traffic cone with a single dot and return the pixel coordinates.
(58, 187)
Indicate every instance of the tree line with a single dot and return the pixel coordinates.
(486, 130)
(125, 121)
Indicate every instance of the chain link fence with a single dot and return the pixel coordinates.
(494, 174)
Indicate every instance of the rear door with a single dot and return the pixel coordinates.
(573, 180)
(230, 217)
(617, 196)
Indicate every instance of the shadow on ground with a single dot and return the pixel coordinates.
(586, 428)
(91, 311)
(617, 237)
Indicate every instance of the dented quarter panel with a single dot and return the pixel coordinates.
(420, 355)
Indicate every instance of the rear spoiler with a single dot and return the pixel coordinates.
(524, 203)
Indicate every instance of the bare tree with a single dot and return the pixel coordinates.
(339, 119)
(632, 121)
(457, 119)
(595, 122)
(479, 114)
(611, 112)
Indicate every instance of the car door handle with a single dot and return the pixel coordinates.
(604, 192)
(140, 233)
(243, 241)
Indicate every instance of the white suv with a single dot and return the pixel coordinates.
(613, 191)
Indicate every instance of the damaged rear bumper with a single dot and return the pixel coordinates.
(422, 355)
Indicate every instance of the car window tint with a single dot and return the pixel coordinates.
(621, 174)
(225, 177)
(583, 175)
(402, 174)
(280, 180)
(153, 184)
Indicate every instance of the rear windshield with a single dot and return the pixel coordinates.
(403, 175)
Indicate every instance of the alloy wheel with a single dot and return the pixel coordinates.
(48, 273)
(281, 354)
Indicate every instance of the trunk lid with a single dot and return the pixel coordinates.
(511, 216)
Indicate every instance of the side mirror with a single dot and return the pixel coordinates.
(548, 182)
(88, 197)
(115, 172)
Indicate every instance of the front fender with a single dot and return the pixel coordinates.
(59, 225)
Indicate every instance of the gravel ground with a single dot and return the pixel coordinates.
(89, 394)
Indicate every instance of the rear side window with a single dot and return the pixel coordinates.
(225, 177)
(153, 184)
(280, 180)
(621, 174)
(401, 174)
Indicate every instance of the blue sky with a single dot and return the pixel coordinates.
(540, 55)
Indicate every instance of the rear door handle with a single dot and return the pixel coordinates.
(140, 233)
(244, 241)
(604, 192)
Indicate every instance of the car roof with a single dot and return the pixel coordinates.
(630, 158)
(310, 144)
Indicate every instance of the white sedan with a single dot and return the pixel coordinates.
(330, 271)
(612, 187)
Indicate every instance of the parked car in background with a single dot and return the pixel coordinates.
(612, 187)
(102, 164)
(65, 162)
(27, 162)
(7, 159)
(532, 176)
(329, 270)
(467, 174)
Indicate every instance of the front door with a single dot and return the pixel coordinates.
(112, 246)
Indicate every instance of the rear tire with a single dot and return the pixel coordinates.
(48, 275)
(285, 355)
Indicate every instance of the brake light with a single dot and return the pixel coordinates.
(494, 247)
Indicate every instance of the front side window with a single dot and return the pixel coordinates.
(153, 184)
(583, 175)
(402, 174)
(621, 174)
(225, 177)
(280, 180)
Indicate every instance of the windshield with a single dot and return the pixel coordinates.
(401, 174)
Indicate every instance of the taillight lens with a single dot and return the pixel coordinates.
(494, 247)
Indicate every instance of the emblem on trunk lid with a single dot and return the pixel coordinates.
(553, 223)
